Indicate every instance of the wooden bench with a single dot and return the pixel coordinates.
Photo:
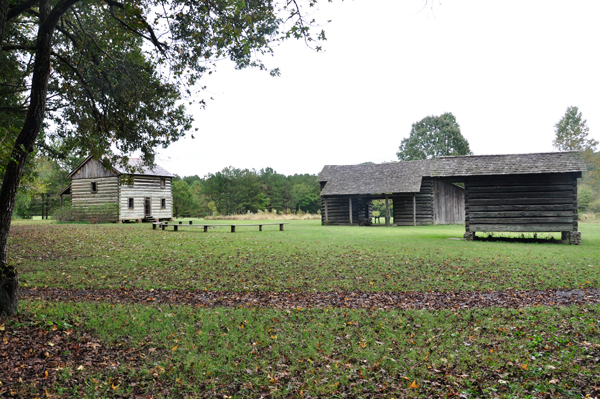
(164, 225)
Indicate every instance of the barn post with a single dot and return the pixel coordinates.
(415, 210)
(387, 211)
(326, 211)
(350, 207)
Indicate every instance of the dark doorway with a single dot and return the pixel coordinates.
(147, 207)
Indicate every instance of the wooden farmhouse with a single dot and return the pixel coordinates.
(145, 194)
(502, 193)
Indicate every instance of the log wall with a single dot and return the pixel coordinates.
(448, 203)
(336, 210)
(107, 192)
(404, 206)
(521, 203)
(146, 187)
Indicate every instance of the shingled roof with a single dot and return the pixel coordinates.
(511, 164)
(155, 170)
(401, 177)
(134, 164)
(405, 177)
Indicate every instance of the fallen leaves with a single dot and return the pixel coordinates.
(302, 300)
(33, 364)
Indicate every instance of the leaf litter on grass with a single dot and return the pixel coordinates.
(182, 351)
(110, 256)
(317, 290)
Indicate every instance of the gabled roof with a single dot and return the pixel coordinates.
(65, 191)
(140, 168)
(405, 177)
(400, 177)
(155, 170)
(509, 164)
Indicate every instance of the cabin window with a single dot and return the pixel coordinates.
(163, 203)
(130, 203)
(163, 183)
(94, 187)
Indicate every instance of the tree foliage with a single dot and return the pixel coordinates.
(433, 136)
(115, 75)
(571, 132)
(237, 191)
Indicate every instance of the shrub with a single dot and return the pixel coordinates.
(585, 196)
(97, 213)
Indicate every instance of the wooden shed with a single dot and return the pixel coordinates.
(347, 192)
(518, 192)
(502, 193)
(145, 194)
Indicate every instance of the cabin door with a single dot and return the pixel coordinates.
(147, 207)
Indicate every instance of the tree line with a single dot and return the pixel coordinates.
(236, 191)
(227, 192)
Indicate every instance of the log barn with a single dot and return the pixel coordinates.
(145, 194)
(347, 192)
(518, 192)
(502, 193)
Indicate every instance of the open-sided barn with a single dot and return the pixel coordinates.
(417, 198)
(502, 193)
(144, 194)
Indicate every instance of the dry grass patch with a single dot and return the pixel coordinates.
(266, 215)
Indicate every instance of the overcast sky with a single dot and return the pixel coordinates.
(507, 70)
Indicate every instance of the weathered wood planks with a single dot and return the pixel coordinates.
(524, 203)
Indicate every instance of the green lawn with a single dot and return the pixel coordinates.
(183, 351)
(306, 256)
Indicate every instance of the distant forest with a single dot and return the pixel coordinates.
(236, 191)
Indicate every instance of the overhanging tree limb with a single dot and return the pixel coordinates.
(119, 94)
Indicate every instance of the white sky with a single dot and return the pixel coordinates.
(507, 70)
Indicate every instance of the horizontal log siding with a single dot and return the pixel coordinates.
(448, 203)
(107, 192)
(524, 203)
(403, 206)
(146, 186)
(338, 210)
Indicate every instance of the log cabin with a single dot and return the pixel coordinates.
(142, 195)
(502, 193)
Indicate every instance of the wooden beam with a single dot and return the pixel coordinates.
(326, 210)
(387, 211)
(414, 210)
(350, 207)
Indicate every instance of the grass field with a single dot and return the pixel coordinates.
(187, 351)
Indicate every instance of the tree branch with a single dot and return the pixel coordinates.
(152, 38)
(17, 9)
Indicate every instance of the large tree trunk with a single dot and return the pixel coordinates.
(9, 278)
